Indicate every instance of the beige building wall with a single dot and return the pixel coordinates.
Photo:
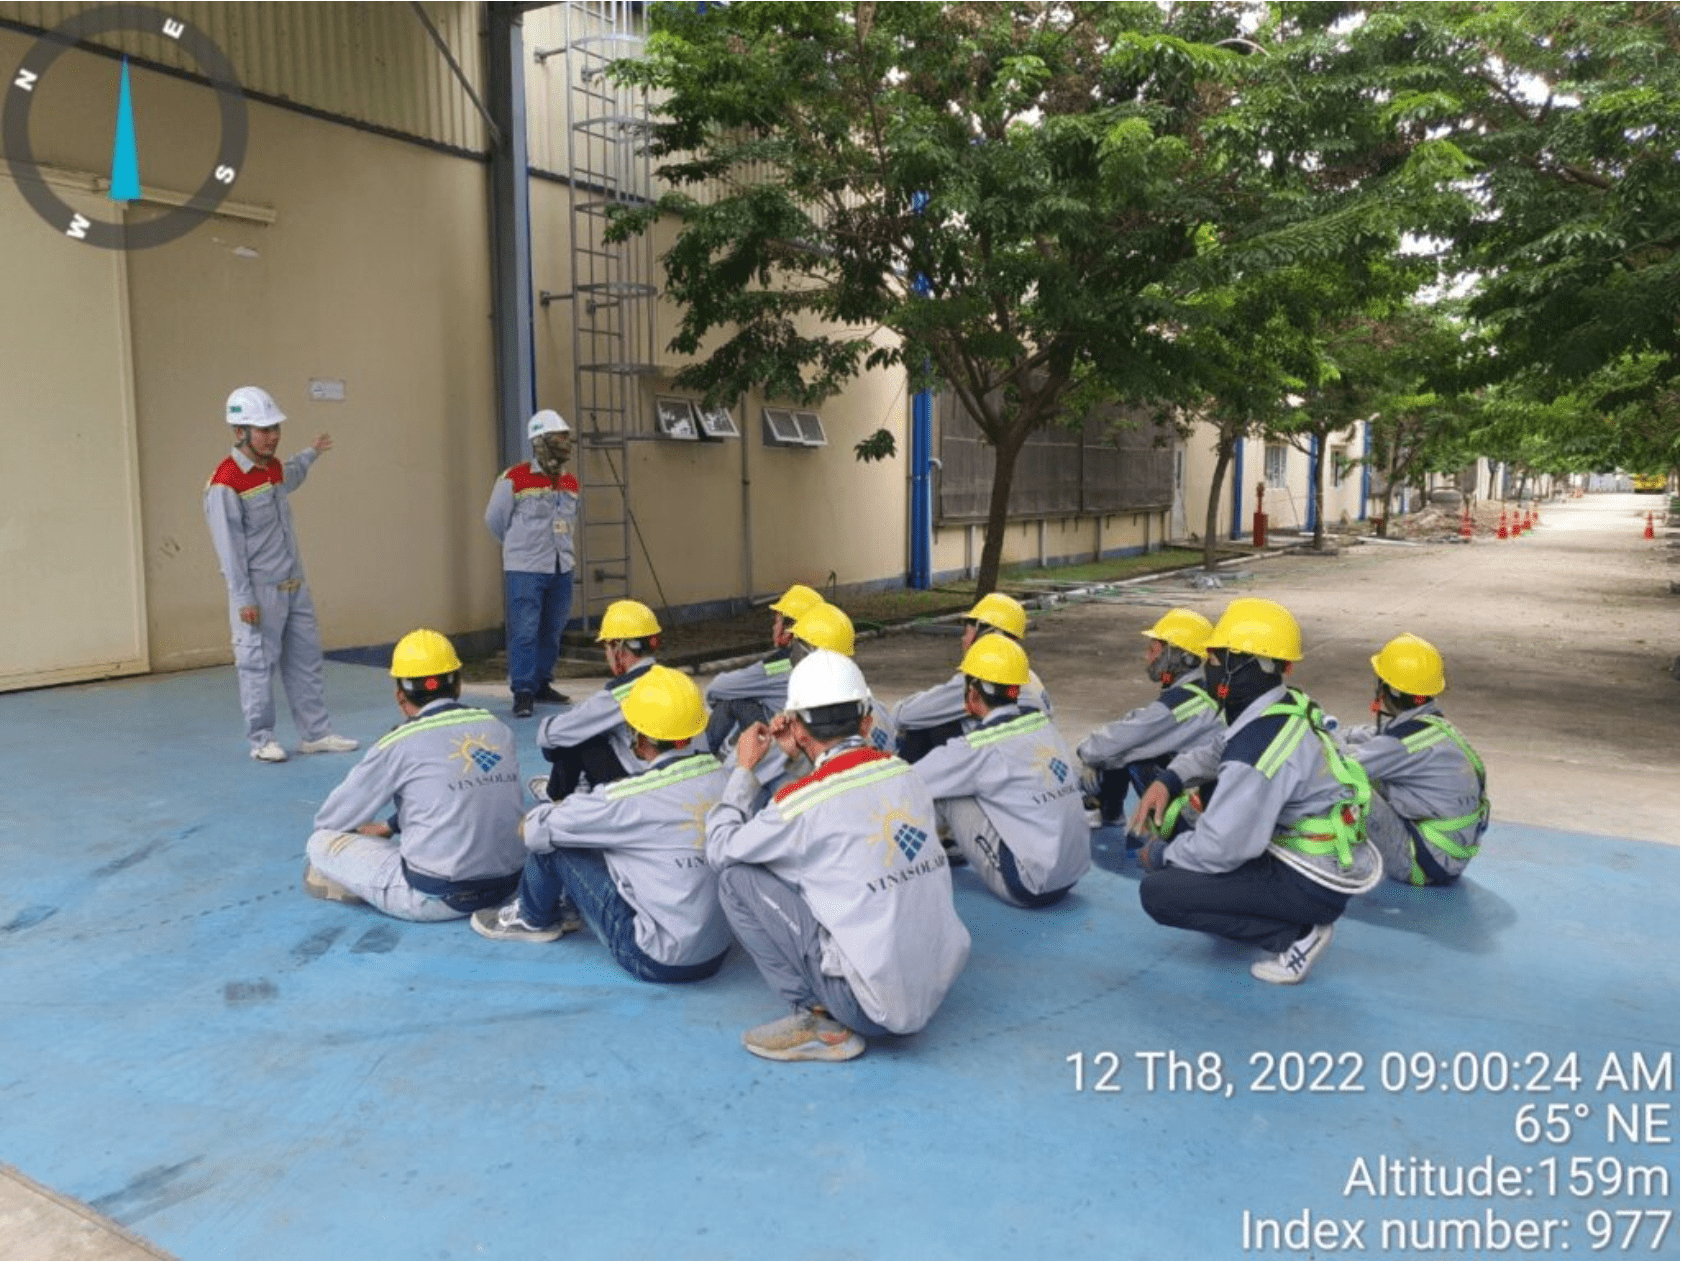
(1037, 542)
(1287, 505)
(342, 256)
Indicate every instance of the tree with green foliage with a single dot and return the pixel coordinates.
(1013, 190)
(1564, 117)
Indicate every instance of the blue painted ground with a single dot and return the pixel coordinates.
(231, 1069)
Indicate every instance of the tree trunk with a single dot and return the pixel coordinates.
(998, 510)
(1211, 518)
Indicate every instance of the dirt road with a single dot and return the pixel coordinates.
(1559, 648)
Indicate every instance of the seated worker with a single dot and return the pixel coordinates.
(740, 698)
(590, 738)
(925, 719)
(838, 888)
(453, 845)
(1008, 791)
(1429, 810)
(823, 626)
(627, 856)
(1274, 858)
(1129, 752)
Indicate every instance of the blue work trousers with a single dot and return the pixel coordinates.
(538, 606)
(556, 878)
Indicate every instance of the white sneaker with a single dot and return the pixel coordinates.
(328, 744)
(268, 751)
(1291, 965)
(539, 786)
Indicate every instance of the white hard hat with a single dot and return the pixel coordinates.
(253, 406)
(825, 678)
(547, 422)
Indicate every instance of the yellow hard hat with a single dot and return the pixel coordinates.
(795, 602)
(665, 705)
(1002, 613)
(823, 626)
(1259, 627)
(997, 660)
(1183, 629)
(1411, 665)
(628, 620)
(423, 653)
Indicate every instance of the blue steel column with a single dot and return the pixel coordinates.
(922, 444)
(1366, 467)
(1238, 489)
(1313, 482)
(510, 215)
(922, 492)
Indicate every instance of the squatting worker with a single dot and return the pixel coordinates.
(1429, 805)
(532, 513)
(269, 605)
(838, 889)
(1127, 753)
(925, 719)
(1008, 791)
(1282, 845)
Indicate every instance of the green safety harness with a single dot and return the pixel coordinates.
(1440, 832)
(1343, 828)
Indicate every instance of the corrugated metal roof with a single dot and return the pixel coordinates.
(369, 63)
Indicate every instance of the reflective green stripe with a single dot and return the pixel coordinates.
(1283, 745)
(1195, 704)
(674, 773)
(619, 690)
(448, 719)
(780, 667)
(803, 800)
(1016, 727)
(1422, 739)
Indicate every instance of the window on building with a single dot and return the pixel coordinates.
(1339, 460)
(1273, 464)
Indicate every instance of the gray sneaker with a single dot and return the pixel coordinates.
(539, 787)
(1291, 965)
(505, 924)
(318, 886)
(804, 1035)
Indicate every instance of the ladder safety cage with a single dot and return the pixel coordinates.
(613, 292)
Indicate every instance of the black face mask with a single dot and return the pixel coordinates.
(1237, 679)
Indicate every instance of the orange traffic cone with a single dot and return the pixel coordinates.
(1527, 524)
(1466, 523)
(1648, 533)
(1501, 533)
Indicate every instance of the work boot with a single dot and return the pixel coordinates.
(523, 704)
(547, 695)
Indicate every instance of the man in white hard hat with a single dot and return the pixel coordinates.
(532, 513)
(269, 605)
(838, 889)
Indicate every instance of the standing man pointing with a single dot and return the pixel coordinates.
(269, 606)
